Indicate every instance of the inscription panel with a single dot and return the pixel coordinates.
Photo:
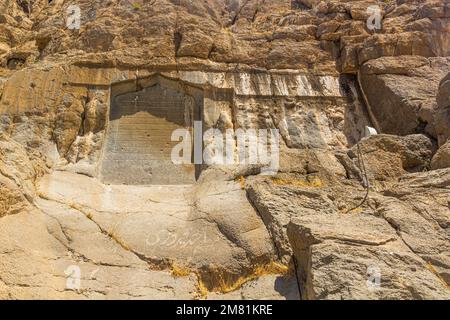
(138, 144)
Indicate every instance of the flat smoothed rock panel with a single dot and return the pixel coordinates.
(138, 148)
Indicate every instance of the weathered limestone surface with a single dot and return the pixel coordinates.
(442, 116)
(442, 157)
(138, 146)
(388, 157)
(38, 247)
(352, 244)
(421, 217)
(169, 226)
(318, 216)
(335, 218)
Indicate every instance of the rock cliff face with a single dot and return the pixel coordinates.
(91, 91)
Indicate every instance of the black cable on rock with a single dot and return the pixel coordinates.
(365, 179)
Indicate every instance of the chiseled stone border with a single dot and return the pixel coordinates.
(264, 84)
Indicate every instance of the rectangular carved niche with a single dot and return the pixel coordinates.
(138, 144)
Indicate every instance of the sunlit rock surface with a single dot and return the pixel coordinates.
(343, 217)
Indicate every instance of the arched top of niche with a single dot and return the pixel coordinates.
(192, 89)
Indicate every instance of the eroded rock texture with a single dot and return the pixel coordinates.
(345, 216)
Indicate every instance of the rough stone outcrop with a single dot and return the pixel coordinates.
(417, 208)
(442, 116)
(336, 254)
(402, 92)
(388, 157)
(442, 157)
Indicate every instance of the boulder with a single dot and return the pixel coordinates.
(358, 257)
(173, 227)
(401, 92)
(418, 208)
(441, 159)
(388, 157)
